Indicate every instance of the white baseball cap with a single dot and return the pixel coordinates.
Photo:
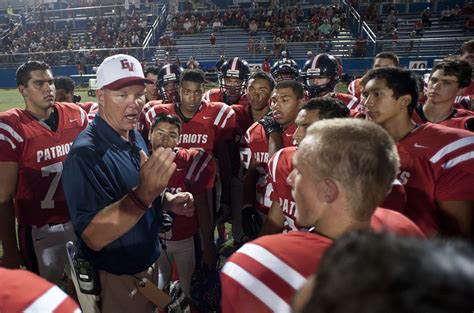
(120, 70)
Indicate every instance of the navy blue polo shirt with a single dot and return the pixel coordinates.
(100, 169)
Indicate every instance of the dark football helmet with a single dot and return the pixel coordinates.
(168, 83)
(233, 68)
(285, 69)
(321, 66)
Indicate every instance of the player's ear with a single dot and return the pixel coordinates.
(22, 90)
(404, 101)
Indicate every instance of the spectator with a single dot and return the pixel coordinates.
(251, 46)
(188, 27)
(219, 63)
(426, 18)
(392, 18)
(111, 192)
(192, 63)
(325, 29)
(359, 48)
(262, 45)
(266, 65)
(253, 28)
(212, 41)
(419, 27)
(217, 26)
(411, 42)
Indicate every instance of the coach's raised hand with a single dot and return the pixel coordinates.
(155, 173)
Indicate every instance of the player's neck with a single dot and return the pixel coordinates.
(335, 228)
(258, 114)
(39, 113)
(400, 126)
(437, 112)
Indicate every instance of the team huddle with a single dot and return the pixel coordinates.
(144, 181)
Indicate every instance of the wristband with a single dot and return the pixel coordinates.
(142, 206)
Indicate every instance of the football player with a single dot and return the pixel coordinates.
(259, 91)
(383, 59)
(448, 79)
(320, 76)
(23, 291)
(281, 216)
(151, 90)
(195, 172)
(65, 93)
(287, 98)
(337, 187)
(285, 69)
(436, 162)
(35, 142)
(466, 100)
(233, 77)
(167, 84)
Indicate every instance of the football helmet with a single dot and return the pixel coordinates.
(168, 83)
(285, 69)
(321, 66)
(236, 68)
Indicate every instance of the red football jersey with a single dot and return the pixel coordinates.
(279, 168)
(86, 106)
(264, 274)
(350, 101)
(437, 164)
(23, 291)
(195, 172)
(213, 122)
(142, 125)
(40, 153)
(241, 155)
(93, 110)
(457, 119)
(216, 95)
(354, 88)
(257, 141)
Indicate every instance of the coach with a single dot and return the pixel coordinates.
(110, 186)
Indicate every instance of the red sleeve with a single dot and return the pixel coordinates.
(11, 139)
(153, 112)
(455, 179)
(201, 173)
(224, 123)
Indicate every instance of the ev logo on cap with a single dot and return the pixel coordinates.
(126, 65)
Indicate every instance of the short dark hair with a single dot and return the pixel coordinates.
(151, 69)
(328, 107)
(265, 76)
(467, 47)
(370, 272)
(388, 55)
(297, 87)
(166, 118)
(64, 82)
(192, 75)
(400, 81)
(24, 70)
(457, 67)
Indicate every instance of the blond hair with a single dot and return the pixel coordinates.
(360, 155)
